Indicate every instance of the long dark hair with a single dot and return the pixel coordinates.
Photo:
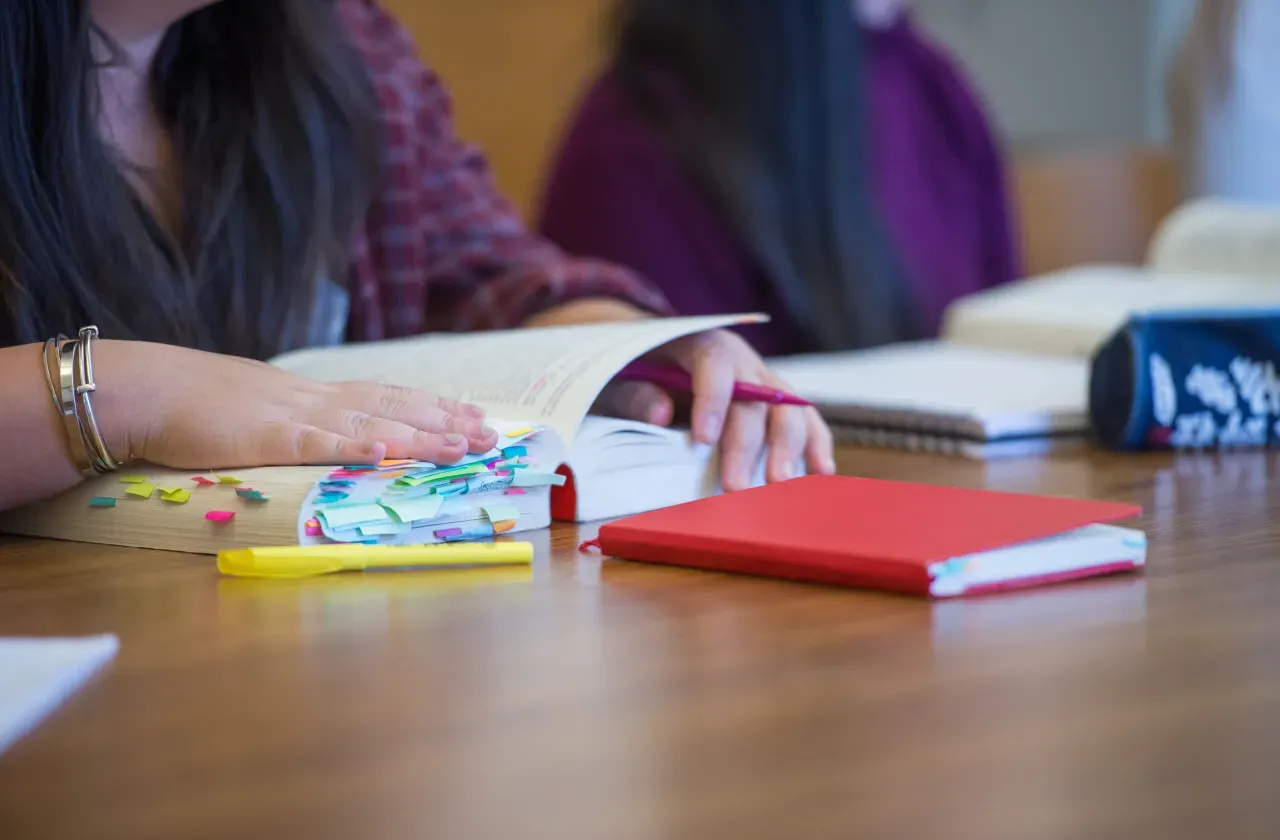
(762, 100)
(273, 131)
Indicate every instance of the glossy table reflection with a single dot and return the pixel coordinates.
(612, 700)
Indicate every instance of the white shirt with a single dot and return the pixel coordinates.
(1226, 132)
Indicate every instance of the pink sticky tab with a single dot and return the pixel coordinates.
(314, 529)
(515, 491)
(220, 516)
(448, 532)
(202, 481)
(503, 473)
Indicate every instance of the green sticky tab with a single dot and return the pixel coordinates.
(455, 472)
(102, 502)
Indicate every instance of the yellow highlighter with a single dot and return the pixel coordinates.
(301, 561)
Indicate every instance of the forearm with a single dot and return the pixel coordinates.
(35, 455)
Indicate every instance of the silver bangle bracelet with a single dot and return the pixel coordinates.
(67, 406)
(84, 384)
(73, 360)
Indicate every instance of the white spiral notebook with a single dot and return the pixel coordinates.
(937, 397)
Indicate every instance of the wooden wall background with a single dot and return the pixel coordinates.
(515, 68)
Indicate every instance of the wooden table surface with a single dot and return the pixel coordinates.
(614, 700)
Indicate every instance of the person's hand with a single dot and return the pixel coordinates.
(188, 409)
(794, 435)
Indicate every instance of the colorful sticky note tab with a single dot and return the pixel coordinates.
(529, 478)
(488, 483)
(502, 513)
(250, 495)
(474, 532)
(384, 529)
(176, 495)
(201, 481)
(349, 474)
(415, 510)
(142, 491)
(392, 463)
(133, 479)
(515, 451)
(514, 491)
(357, 468)
(220, 516)
(330, 498)
(102, 502)
(313, 528)
(456, 472)
(348, 516)
(228, 479)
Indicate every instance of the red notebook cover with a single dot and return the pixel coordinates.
(850, 531)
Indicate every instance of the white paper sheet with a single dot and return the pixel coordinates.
(39, 674)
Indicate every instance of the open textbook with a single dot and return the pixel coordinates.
(1207, 254)
(537, 385)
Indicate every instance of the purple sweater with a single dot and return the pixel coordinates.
(615, 193)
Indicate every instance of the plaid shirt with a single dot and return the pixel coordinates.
(441, 249)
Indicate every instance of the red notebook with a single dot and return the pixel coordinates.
(914, 538)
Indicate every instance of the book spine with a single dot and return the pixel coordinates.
(836, 571)
(564, 499)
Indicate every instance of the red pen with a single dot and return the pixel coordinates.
(678, 379)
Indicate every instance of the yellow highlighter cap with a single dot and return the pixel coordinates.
(245, 562)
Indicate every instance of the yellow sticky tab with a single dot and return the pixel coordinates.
(176, 495)
(228, 479)
(515, 433)
(133, 479)
(142, 491)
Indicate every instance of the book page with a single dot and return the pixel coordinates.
(1072, 312)
(549, 375)
(38, 674)
(1219, 238)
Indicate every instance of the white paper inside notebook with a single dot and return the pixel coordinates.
(945, 389)
(1083, 548)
